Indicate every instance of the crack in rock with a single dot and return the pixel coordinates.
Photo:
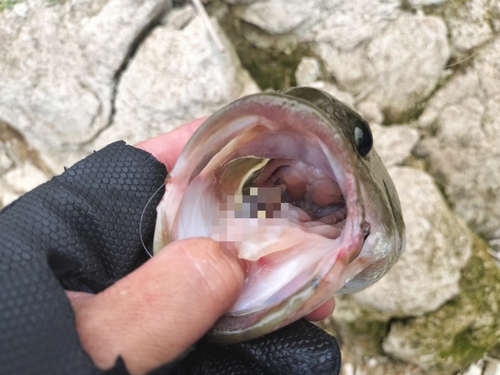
(162, 9)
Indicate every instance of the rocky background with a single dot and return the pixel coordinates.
(78, 74)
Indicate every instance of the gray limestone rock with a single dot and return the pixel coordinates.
(21, 167)
(343, 23)
(463, 155)
(371, 112)
(394, 143)
(178, 74)
(473, 369)
(286, 15)
(19, 180)
(420, 3)
(438, 245)
(396, 68)
(59, 65)
(308, 71)
(471, 23)
(492, 367)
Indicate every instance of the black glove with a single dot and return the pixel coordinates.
(80, 231)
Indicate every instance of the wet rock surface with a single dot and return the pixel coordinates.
(77, 75)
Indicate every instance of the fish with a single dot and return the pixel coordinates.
(290, 181)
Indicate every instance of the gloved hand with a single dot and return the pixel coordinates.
(81, 231)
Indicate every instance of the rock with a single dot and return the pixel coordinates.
(59, 68)
(394, 143)
(61, 77)
(437, 247)
(471, 23)
(276, 34)
(286, 15)
(492, 368)
(462, 330)
(420, 3)
(375, 365)
(449, 94)
(21, 167)
(240, 1)
(5, 161)
(359, 328)
(345, 23)
(473, 369)
(371, 112)
(396, 69)
(308, 71)
(463, 155)
(348, 369)
(178, 74)
(18, 181)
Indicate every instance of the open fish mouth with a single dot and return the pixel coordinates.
(284, 179)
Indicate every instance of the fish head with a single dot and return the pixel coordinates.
(291, 182)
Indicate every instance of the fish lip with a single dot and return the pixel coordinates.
(280, 111)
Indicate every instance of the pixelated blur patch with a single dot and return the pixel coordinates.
(241, 214)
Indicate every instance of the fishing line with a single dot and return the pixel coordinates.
(142, 215)
(461, 61)
(200, 9)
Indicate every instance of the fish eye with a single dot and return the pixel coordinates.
(362, 136)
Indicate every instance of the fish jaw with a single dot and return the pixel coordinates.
(256, 126)
(386, 243)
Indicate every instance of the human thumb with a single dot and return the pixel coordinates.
(155, 313)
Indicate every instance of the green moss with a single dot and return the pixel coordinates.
(371, 331)
(454, 7)
(357, 327)
(364, 335)
(480, 298)
(371, 327)
(465, 347)
(8, 4)
(271, 69)
(463, 329)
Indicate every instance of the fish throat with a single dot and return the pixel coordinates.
(283, 188)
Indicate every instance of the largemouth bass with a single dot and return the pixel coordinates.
(290, 181)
